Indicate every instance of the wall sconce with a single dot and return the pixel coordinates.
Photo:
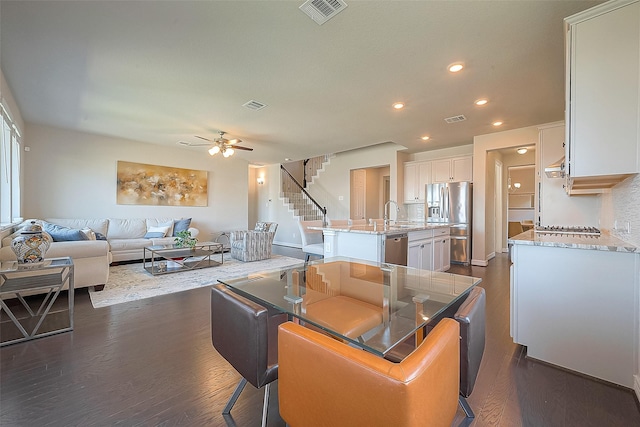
(260, 180)
(517, 185)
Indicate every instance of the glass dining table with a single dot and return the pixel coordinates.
(374, 306)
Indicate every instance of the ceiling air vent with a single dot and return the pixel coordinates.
(455, 119)
(322, 10)
(254, 105)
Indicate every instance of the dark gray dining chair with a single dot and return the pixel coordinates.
(471, 317)
(470, 314)
(246, 335)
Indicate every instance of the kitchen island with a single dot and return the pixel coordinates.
(574, 303)
(370, 242)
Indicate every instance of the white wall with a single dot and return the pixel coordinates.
(330, 184)
(463, 150)
(69, 174)
(483, 186)
(334, 181)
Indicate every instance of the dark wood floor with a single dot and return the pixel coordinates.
(151, 363)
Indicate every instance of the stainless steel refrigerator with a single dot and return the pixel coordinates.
(452, 202)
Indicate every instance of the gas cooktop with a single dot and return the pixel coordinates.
(574, 230)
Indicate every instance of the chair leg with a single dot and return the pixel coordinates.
(466, 407)
(307, 258)
(265, 405)
(234, 396)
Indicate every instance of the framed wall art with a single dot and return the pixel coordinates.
(142, 184)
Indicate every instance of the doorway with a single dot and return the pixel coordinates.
(370, 190)
(498, 244)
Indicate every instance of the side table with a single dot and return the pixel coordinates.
(49, 276)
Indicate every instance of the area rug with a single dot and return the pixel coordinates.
(130, 282)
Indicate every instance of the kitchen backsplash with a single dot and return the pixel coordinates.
(625, 200)
(415, 211)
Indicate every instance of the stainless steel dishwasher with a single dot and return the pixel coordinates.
(395, 249)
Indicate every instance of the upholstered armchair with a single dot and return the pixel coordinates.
(253, 245)
(324, 382)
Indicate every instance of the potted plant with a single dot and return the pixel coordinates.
(184, 239)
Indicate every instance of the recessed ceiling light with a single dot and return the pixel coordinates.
(481, 102)
(424, 138)
(398, 105)
(521, 150)
(286, 159)
(455, 67)
(498, 123)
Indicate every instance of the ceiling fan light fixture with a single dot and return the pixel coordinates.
(214, 150)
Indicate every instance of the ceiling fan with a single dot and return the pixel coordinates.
(220, 145)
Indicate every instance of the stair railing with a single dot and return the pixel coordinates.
(311, 167)
(290, 185)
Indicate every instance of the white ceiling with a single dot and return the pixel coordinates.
(161, 72)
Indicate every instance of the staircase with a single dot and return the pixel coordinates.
(301, 204)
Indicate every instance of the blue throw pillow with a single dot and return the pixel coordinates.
(63, 234)
(181, 225)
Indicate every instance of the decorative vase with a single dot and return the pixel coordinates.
(31, 245)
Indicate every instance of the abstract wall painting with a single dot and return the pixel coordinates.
(141, 184)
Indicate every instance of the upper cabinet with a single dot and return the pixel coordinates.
(603, 95)
(420, 173)
(455, 169)
(416, 176)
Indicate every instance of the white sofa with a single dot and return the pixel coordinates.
(125, 240)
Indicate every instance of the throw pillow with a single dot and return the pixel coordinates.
(63, 234)
(100, 236)
(181, 225)
(156, 232)
(89, 233)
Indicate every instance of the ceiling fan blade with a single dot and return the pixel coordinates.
(233, 141)
(192, 144)
(237, 147)
(203, 138)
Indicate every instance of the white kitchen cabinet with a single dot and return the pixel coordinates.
(455, 169)
(420, 250)
(441, 250)
(416, 176)
(577, 309)
(603, 102)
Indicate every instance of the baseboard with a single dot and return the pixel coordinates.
(288, 245)
(636, 386)
(491, 256)
(479, 262)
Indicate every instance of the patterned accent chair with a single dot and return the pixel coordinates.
(253, 245)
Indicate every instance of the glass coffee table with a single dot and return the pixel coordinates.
(165, 259)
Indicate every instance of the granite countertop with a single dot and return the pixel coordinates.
(391, 229)
(604, 242)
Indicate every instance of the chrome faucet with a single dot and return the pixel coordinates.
(386, 217)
